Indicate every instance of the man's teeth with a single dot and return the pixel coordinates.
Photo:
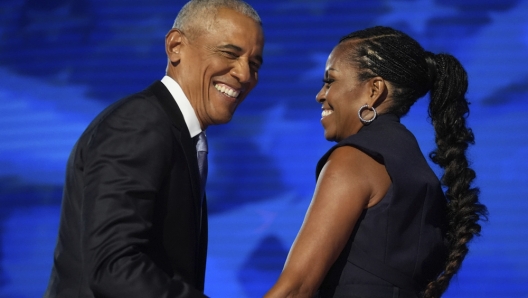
(227, 91)
(326, 113)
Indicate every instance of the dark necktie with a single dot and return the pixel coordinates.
(201, 151)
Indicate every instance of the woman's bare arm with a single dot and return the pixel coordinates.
(349, 182)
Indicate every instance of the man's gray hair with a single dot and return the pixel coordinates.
(203, 11)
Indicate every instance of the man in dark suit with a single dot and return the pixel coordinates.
(133, 219)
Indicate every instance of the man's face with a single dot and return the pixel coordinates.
(219, 67)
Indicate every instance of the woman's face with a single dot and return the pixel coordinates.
(341, 96)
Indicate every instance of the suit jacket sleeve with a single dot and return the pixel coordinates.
(125, 162)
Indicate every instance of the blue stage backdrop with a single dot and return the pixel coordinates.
(63, 61)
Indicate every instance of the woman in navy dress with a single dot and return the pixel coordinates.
(380, 224)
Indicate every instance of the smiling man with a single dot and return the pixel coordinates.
(134, 216)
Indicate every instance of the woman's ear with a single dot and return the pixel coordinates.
(377, 91)
(173, 42)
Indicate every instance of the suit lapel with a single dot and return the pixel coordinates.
(170, 107)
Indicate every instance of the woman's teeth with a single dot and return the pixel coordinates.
(325, 113)
(227, 90)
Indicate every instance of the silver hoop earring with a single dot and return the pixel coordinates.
(365, 121)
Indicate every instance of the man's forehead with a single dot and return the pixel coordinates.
(223, 19)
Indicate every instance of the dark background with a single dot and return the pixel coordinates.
(63, 61)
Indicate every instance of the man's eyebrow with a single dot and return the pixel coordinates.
(239, 49)
(231, 47)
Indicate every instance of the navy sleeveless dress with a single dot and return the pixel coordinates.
(398, 245)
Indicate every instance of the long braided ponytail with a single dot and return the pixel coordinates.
(448, 110)
(399, 59)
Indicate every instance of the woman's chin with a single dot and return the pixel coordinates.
(330, 137)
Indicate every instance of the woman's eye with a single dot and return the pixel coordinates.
(327, 82)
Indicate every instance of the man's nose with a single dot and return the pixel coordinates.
(241, 71)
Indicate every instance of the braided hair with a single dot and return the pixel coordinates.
(412, 71)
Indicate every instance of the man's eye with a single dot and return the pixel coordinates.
(230, 54)
(254, 66)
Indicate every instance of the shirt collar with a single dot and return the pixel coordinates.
(193, 124)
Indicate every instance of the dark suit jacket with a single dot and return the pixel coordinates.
(132, 222)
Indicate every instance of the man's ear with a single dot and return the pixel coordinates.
(173, 42)
(378, 91)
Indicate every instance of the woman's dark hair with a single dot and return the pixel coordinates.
(412, 71)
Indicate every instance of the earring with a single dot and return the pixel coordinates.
(364, 121)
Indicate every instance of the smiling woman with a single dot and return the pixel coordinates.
(379, 224)
(343, 94)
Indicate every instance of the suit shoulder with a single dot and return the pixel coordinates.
(137, 112)
(138, 107)
(133, 105)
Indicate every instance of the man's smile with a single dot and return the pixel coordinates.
(227, 90)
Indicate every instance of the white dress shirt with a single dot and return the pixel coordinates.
(193, 124)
